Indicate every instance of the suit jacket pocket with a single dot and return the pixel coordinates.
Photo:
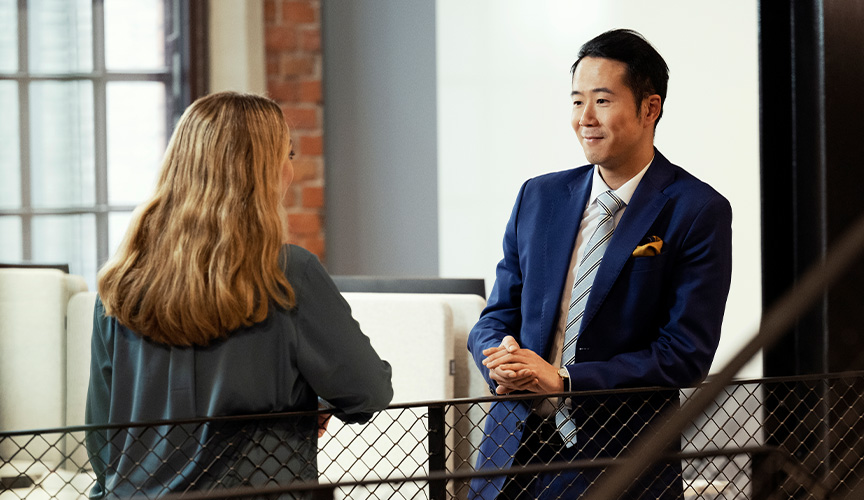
(643, 264)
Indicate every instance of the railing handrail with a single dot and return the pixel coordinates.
(438, 471)
(429, 403)
(245, 492)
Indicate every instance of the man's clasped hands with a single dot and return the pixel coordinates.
(518, 369)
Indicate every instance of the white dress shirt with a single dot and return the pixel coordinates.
(590, 218)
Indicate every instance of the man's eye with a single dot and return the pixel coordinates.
(577, 103)
(602, 101)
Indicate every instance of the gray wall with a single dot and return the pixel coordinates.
(380, 139)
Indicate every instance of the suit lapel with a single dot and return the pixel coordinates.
(644, 207)
(564, 218)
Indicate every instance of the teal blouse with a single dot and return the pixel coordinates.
(282, 364)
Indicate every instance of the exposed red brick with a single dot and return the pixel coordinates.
(313, 197)
(269, 11)
(293, 63)
(301, 118)
(280, 38)
(293, 91)
(306, 170)
(304, 223)
(298, 65)
(310, 91)
(298, 12)
(310, 40)
(283, 91)
(272, 64)
(315, 244)
(290, 197)
(311, 145)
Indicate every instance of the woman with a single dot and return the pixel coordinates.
(204, 312)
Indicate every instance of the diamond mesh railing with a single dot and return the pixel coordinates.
(800, 437)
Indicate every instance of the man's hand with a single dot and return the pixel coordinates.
(507, 380)
(517, 369)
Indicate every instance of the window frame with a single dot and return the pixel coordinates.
(184, 76)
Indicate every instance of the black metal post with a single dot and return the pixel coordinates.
(437, 452)
(324, 494)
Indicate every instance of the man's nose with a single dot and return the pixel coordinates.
(588, 118)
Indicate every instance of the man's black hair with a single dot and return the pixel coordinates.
(647, 72)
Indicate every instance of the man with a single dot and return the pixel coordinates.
(614, 275)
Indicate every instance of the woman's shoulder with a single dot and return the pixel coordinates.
(301, 265)
(312, 283)
(100, 313)
(297, 258)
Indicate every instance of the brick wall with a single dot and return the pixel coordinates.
(293, 57)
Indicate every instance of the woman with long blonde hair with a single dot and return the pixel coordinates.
(203, 311)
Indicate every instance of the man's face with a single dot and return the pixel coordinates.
(613, 133)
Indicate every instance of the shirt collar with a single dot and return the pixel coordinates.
(625, 192)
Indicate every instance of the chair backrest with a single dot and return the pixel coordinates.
(422, 336)
(79, 330)
(27, 265)
(389, 284)
(33, 305)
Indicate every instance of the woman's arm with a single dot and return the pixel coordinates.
(334, 355)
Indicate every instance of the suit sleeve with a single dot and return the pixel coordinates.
(682, 348)
(503, 313)
(334, 355)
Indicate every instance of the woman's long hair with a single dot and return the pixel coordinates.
(201, 257)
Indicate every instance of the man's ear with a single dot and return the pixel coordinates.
(651, 107)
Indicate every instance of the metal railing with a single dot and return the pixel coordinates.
(800, 437)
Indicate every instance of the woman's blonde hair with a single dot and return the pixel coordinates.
(201, 257)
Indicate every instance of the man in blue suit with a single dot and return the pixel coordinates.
(615, 275)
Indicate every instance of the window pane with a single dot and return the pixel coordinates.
(8, 36)
(67, 239)
(134, 34)
(61, 139)
(10, 173)
(10, 239)
(136, 139)
(118, 222)
(60, 36)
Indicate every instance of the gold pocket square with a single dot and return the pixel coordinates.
(653, 247)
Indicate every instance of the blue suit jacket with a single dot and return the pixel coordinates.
(649, 321)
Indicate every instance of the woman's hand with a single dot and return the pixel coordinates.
(323, 420)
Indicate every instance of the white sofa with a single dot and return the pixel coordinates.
(33, 346)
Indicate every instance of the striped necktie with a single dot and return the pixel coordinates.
(609, 204)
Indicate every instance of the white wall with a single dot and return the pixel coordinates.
(504, 116)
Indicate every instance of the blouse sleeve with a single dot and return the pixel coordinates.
(334, 356)
(98, 396)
